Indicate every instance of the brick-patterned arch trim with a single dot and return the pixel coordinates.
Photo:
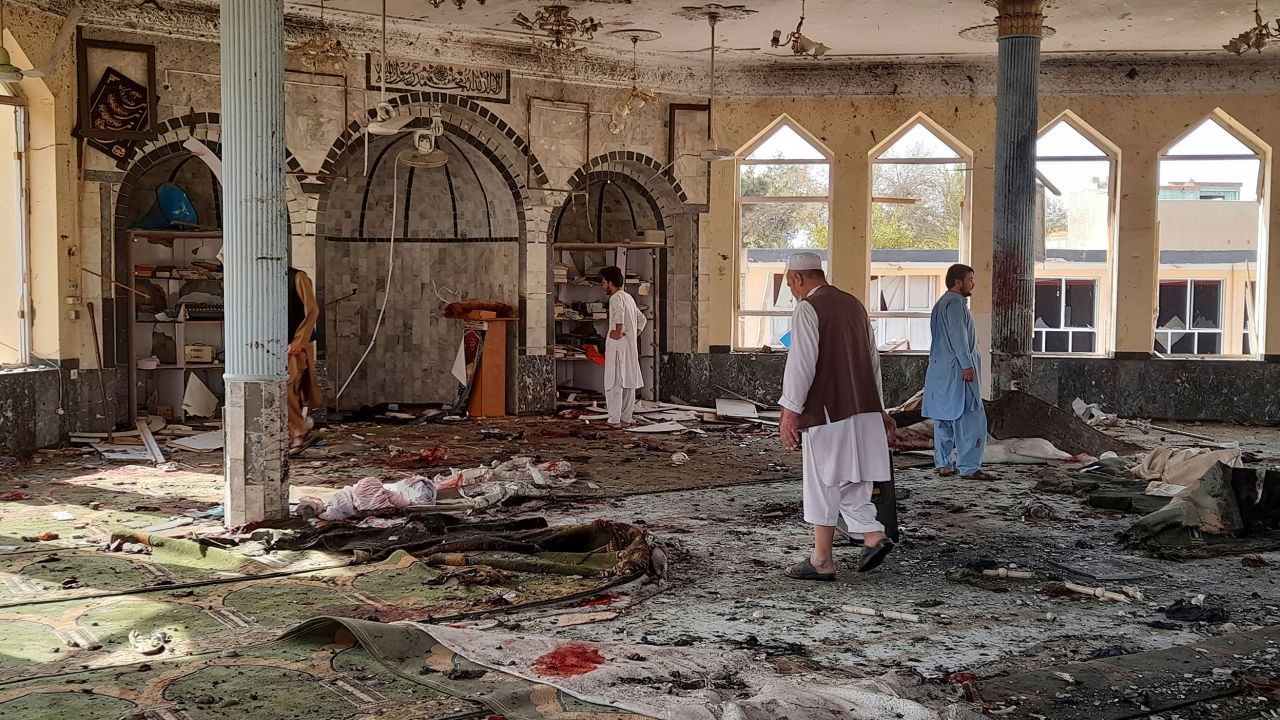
(207, 128)
(465, 121)
(597, 176)
(499, 132)
(627, 157)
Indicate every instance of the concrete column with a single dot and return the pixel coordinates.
(256, 239)
(1137, 257)
(1013, 262)
(850, 236)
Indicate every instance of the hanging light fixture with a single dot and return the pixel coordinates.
(800, 45)
(1255, 38)
(323, 51)
(639, 97)
(559, 28)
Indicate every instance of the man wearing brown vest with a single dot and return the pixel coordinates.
(832, 407)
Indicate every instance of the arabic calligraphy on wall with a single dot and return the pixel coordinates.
(478, 83)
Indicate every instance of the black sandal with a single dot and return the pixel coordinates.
(872, 557)
(804, 570)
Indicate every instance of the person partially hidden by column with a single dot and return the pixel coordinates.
(304, 392)
(833, 408)
(953, 382)
(622, 375)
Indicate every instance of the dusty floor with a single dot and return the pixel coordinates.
(730, 517)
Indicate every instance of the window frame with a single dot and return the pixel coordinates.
(739, 314)
(934, 280)
(10, 99)
(1104, 336)
(964, 239)
(1071, 330)
(1188, 309)
(1227, 125)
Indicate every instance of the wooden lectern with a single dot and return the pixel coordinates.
(489, 386)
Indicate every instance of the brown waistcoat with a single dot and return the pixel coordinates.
(844, 383)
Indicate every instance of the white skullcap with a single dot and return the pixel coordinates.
(803, 261)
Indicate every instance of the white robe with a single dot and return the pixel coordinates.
(622, 357)
(841, 459)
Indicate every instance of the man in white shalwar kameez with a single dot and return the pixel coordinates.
(832, 407)
(621, 350)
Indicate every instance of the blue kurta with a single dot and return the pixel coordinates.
(960, 420)
(954, 348)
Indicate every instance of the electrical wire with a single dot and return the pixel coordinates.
(391, 266)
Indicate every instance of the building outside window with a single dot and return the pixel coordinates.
(920, 191)
(1210, 220)
(1075, 199)
(15, 298)
(784, 206)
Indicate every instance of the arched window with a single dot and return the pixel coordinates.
(1075, 193)
(15, 296)
(920, 193)
(784, 206)
(1210, 225)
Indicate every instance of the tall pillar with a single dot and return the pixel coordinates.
(255, 258)
(1020, 24)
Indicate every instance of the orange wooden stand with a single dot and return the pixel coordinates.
(489, 393)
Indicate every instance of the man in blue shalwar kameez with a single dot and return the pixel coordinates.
(953, 382)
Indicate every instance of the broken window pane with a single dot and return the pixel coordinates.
(1200, 300)
(1065, 315)
(900, 310)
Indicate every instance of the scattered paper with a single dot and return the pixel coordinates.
(204, 442)
(730, 408)
(460, 364)
(63, 516)
(133, 453)
(667, 427)
(198, 400)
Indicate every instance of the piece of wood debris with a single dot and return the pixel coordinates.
(887, 614)
(1100, 593)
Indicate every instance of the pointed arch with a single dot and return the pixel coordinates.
(1226, 123)
(1213, 210)
(1089, 132)
(922, 120)
(783, 205)
(1076, 169)
(784, 122)
(919, 205)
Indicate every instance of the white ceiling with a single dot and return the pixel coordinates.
(867, 28)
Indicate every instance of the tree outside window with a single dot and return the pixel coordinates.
(784, 206)
(919, 189)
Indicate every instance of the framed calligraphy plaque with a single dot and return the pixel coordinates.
(122, 106)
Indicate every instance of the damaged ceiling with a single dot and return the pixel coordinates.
(868, 29)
